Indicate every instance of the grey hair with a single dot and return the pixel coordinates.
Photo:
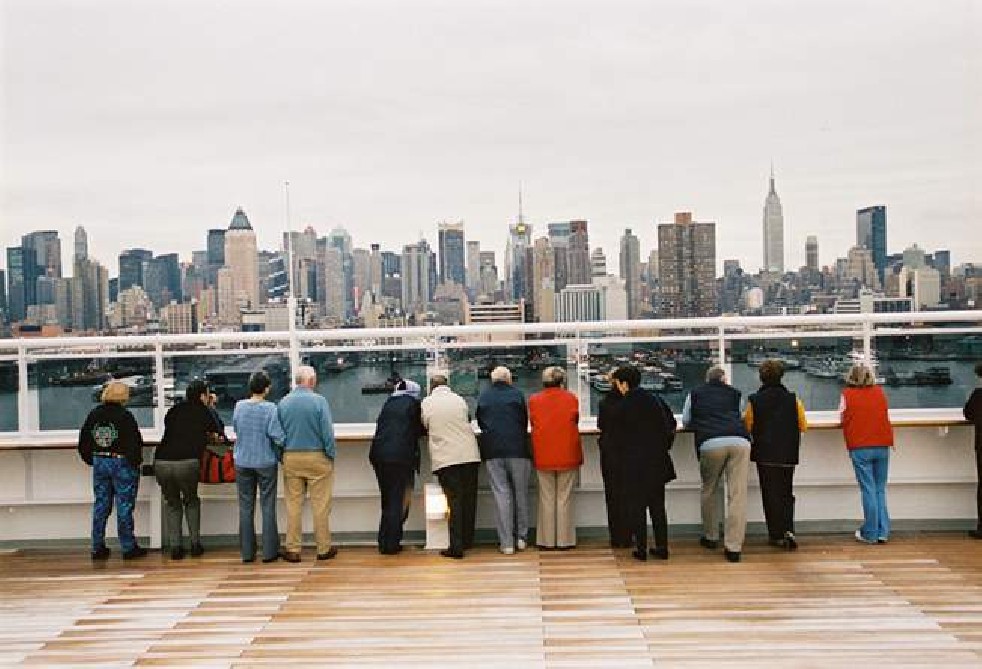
(501, 373)
(438, 380)
(860, 376)
(304, 373)
(553, 377)
(715, 373)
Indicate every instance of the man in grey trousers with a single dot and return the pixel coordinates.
(503, 418)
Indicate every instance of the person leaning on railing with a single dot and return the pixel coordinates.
(869, 438)
(613, 471)
(775, 418)
(973, 413)
(110, 442)
(188, 427)
(557, 455)
(258, 439)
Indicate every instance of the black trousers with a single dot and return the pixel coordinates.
(395, 484)
(776, 493)
(620, 523)
(651, 501)
(459, 483)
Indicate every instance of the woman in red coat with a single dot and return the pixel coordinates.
(869, 438)
(557, 454)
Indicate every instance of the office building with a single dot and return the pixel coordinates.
(47, 251)
(240, 258)
(579, 253)
(162, 279)
(450, 241)
(90, 295)
(473, 269)
(687, 267)
(543, 282)
(811, 253)
(871, 233)
(773, 231)
(519, 241)
(598, 264)
(559, 240)
(489, 276)
(860, 269)
(215, 251)
(630, 271)
(132, 267)
(21, 281)
(81, 244)
(416, 275)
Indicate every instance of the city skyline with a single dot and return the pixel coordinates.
(126, 117)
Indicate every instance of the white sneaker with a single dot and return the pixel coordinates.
(859, 538)
(521, 545)
(508, 551)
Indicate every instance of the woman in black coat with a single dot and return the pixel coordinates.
(394, 455)
(612, 469)
(644, 436)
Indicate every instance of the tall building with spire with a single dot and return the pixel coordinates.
(240, 257)
(516, 250)
(773, 231)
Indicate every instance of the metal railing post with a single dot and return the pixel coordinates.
(160, 406)
(23, 393)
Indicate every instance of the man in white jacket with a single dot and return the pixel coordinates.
(454, 457)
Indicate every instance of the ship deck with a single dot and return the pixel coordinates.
(916, 601)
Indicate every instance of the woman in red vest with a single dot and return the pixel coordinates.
(869, 438)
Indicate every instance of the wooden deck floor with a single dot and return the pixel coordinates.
(914, 602)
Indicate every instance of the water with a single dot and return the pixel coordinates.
(65, 407)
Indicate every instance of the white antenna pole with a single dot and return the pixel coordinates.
(291, 300)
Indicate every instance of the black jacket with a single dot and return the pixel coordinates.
(973, 414)
(187, 427)
(776, 435)
(397, 431)
(643, 437)
(715, 412)
(606, 424)
(503, 418)
(110, 428)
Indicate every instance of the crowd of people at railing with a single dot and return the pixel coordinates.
(637, 431)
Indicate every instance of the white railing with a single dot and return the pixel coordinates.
(904, 346)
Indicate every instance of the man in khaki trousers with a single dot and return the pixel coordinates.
(308, 464)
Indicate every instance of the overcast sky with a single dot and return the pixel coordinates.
(149, 122)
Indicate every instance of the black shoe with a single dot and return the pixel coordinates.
(248, 560)
(640, 554)
(101, 553)
(135, 552)
(331, 553)
(976, 534)
(269, 560)
(395, 550)
(711, 544)
(732, 556)
(789, 543)
(177, 554)
(659, 552)
(289, 556)
(197, 550)
(456, 555)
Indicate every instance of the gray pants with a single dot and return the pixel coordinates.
(178, 481)
(734, 463)
(509, 478)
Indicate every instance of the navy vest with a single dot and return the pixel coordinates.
(715, 410)
(775, 431)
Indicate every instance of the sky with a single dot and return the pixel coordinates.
(150, 122)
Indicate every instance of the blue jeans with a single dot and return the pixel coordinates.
(871, 466)
(247, 479)
(114, 478)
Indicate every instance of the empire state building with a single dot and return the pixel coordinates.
(773, 231)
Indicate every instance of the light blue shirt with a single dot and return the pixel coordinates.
(257, 430)
(306, 419)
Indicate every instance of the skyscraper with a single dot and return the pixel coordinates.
(132, 267)
(489, 276)
(630, 267)
(90, 295)
(416, 274)
(871, 233)
(598, 264)
(811, 253)
(21, 281)
(579, 253)
(215, 248)
(340, 239)
(559, 240)
(687, 267)
(81, 244)
(473, 269)
(47, 249)
(543, 281)
(773, 231)
(450, 240)
(240, 257)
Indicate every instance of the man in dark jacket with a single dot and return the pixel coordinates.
(973, 413)
(394, 455)
(620, 526)
(775, 418)
(712, 411)
(643, 438)
(503, 418)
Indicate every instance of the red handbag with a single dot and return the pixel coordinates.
(217, 468)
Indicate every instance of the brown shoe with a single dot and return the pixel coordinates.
(290, 556)
(331, 553)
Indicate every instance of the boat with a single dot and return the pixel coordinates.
(932, 376)
(601, 384)
(141, 390)
(334, 365)
(383, 388)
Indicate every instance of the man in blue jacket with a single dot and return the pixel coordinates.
(308, 464)
(503, 419)
(395, 457)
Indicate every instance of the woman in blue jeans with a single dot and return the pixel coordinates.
(258, 440)
(869, 438)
